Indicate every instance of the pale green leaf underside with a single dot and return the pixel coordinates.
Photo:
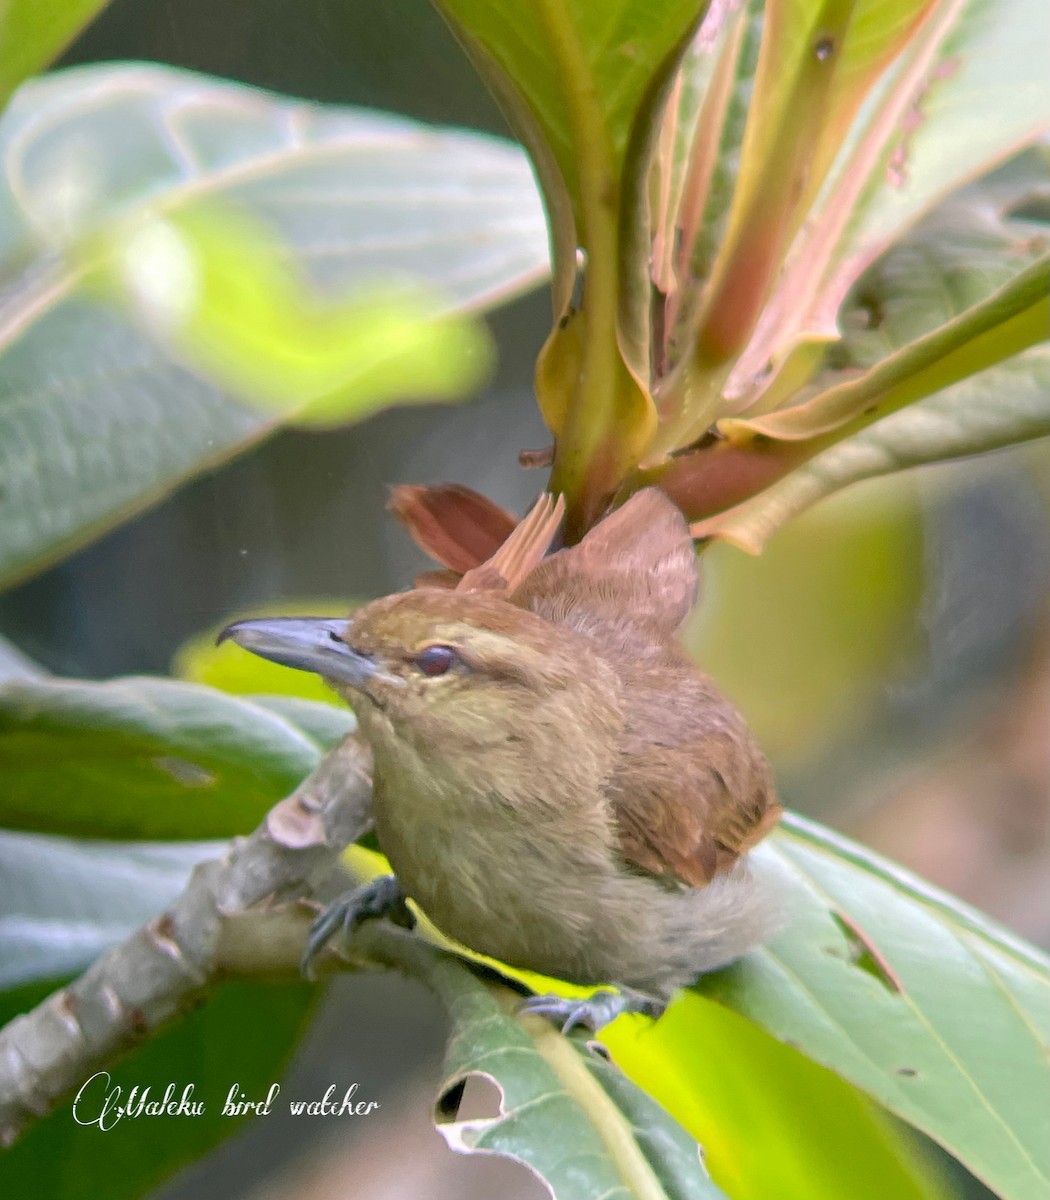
(95, 420)
(917, 1000)
(63, 901)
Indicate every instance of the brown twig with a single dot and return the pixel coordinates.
(236, 915)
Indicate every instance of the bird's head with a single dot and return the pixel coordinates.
(449, 673)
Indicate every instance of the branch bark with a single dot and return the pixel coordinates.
(212, 931)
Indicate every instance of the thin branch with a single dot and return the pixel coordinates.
(236, 915)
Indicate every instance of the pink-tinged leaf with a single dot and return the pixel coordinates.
(818, 64)
(970, 91)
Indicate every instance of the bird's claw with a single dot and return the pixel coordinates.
(380, 898)
(591, 1012)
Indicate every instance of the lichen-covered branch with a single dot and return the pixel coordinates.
(213, 930)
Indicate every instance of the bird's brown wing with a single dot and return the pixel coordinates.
(636, 565)
(692, 791)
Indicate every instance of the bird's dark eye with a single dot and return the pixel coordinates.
(436, 660)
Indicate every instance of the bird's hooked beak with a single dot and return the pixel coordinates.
(306, 643)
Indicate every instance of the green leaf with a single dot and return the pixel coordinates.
(242, 1037)
(96, 419)
(581, 82)
(574, 76)
(1009, 321)
(33, 32)
(840, 628)
(64, 901)
(999, 407)
(730, 1084)
(917, 1000)
(151, 758)
(563, 1111)
(216, 289)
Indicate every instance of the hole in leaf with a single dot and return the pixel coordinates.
(449, 1101)
(476, 1097)
(863, 954)
(907, 1072)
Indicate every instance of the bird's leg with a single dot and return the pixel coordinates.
(593, 1011)
(380, 898)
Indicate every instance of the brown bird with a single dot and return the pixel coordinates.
(556, 784)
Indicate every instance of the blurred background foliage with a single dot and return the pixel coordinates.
(889, 646)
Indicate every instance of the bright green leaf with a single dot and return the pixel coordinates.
(33, 32)
(215, 288)
(563, 1111)
(732, 1085)
(151, 758)
(914, 998)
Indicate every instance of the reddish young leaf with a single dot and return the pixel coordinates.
(455, 525)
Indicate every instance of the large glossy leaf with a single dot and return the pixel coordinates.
(574, 76)
(731, 1085)
(912, 997)
(998, 407)
(95, 419)
(152, 758)
(64, 901)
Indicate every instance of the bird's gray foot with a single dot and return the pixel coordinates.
(598, 1009)
(380, 898)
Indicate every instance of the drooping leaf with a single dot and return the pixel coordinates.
(151, 758)
(917, 1000)
(96, 420)
(579, 1124)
